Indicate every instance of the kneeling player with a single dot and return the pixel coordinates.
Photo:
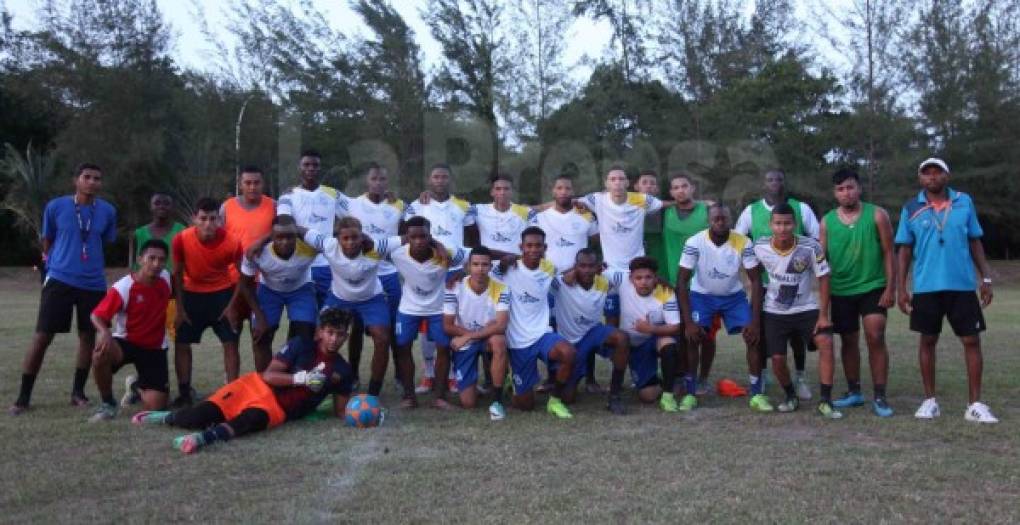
(651, 319)
(131, 326)
(475, 316)
(580, 298)
(297, 380)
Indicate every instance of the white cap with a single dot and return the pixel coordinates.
(933, 161)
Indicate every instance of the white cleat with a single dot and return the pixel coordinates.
(929, 409)
(979, 413)
(803, 390)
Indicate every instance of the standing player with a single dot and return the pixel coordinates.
(568, 230)
(313, 206)
(296, 382)
(650, 317)
(249, 218)
(858, 241)
(500, 223)
(205, 290)
(791, 307)
(131, 321)
(529, 278)
(621, 219)
(754, 222)
(580, 301)
(715, 257)
(73, 232)
(648, 184)
(475, 316)
(935, 229)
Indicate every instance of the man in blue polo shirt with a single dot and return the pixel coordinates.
(935, 228)
(74, 230)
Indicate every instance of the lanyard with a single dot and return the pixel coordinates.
(84, 227)
(940, 222)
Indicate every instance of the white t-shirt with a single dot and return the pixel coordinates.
(658, 308)
(354, 279)
(447, 219)
(378, 221)
(577, 310)
(501, 230)
(423, 282)
(529, 302)
(281, 275)
(717, 268)
(315, 210)
(476, 310)
(807, 217)
(565, 234)
(621, 226)
(789, 287)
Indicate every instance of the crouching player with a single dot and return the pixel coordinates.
(580, 297)
(651, 319)
(476, 311)
(300, 376)
(131, 326)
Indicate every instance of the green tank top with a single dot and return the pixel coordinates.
(142, 235)
(854, 252)
(676, 231)
(761, 215)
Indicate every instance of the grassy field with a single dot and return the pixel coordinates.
(719, 464)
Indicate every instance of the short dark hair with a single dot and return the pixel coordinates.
(718, 206)
(250, 168)
(644, 263)
(440, 166)
(157, 244)
(648, 173)
(587, 250)
(563, 176)
(373, 165)
(681, 175)
(162, 193)
(86, 166)
(284, 220)
(843, 174)
(532, 230)
(208, 205)
(310, 152)
(783, 208)
(501, 176)
(418, 220)
(348, 222)
(335, 318)
(481, 250)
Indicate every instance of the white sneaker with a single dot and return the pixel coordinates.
(929, 409)
(131, 397)
(803, 390)
(979, 413)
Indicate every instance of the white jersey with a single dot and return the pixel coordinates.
(476, 310)
(315, 210)
(565, 234)
(378, 221)
(621, 226)
(717, 268)
(577, 310)
(789, 287)
(658, 308)
(447, 220)
(501, 230)
(529, 302)
(423, 282)
(278, 274)
(354, 279)
(807, 219)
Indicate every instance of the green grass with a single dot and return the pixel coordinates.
(721, 463)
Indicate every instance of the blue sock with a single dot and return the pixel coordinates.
(691, 384)
(755, 385)
(216, 433)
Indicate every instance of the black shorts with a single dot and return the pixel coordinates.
(204, 311)
(847, 310)
(961, 308)
(781, 328)
(151, 365)
(60, 301)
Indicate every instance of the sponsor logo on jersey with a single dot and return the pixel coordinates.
(499, 237)
(314, 219)
(527, 298)
(439, 230)
(373, 229)
(716, 274)
(582, 320)
(563, 242)
(422, 291)
(620, 228)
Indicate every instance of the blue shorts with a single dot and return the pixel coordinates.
(592, 341)
(406, 329)
(300, 304)
(322, 276)
(734, 308)
(644, 364)
(465, 364)
(373, 312)
(612, 307)
(391, 289)
(524, 361)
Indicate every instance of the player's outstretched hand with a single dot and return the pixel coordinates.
(904, 302)
(314, 379)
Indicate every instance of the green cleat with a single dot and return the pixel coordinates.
(557, 408)
(826, 410)
(189, 443)
(688, 403)
(791, 404)
(154, 417)
(668, 402)
(760, 403)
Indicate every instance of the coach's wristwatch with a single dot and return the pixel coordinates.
(986, 280)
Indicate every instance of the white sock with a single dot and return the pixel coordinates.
(428, 356)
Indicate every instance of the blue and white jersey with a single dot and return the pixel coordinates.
(565, 234)
(578, 309)
(315, 210)
(378, 221)
(529, 304)
(717, 268)
(421, 294)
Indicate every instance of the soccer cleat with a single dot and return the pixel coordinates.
(106, 412)
(17, 410)
(704, 388)
(79, 400)
(803, 390)
(496, 411)
(131, 395)
(826, 410)
(557, 408)
(979, 412)
(929, 409)
(547, 386)
(881, 408)
(189, 443)
(688, 403)
(424, 387)
(760, 403)
(668, 402)
(791, 404)
(150, 417)
(615, 405)
(850, 399)
(451, 386)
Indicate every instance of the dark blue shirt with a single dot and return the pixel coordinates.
(303, 354)
(71, 227)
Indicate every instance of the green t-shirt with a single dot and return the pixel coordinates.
(142, 235)
(854, 252)
(676, 231)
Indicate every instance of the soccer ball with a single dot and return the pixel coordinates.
(363, 411)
